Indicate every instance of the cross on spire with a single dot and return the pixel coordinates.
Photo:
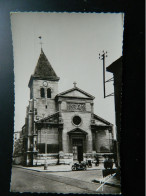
(74, 84)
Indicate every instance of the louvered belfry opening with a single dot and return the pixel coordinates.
(48, 93)
(42, 92)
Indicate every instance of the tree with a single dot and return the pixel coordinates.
(18, 148)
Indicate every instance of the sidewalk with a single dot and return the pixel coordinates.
(55, 168)
(58, 168)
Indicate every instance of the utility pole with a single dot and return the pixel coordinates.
(102, 57)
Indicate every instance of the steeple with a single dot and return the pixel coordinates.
(43, 67)
(43, 70)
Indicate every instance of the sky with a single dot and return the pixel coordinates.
(72, 43)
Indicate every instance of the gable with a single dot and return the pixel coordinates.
(75, 92)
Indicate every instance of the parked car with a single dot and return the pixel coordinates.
(79, 166)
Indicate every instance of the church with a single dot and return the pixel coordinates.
(61, 128)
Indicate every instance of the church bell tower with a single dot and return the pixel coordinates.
(43, 86)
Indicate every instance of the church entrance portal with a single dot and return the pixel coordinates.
(78, 149)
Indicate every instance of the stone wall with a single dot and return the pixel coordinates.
(50, 159)
(65, 158)
(49, 135)
(42, 110)
(44, 106)
(68, 126)
(37, 84)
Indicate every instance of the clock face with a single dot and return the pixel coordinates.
(45, 84)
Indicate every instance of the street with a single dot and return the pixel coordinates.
(57, 182)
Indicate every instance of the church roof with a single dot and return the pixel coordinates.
(69, 93)
(102, 120)
(43, 67)
(51, 117)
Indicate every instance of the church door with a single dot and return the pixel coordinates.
(78, 149)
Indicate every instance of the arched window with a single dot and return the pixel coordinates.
(42, 92)
(48, 93)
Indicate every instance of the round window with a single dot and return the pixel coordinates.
(76, 120)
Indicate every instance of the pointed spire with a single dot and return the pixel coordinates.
(44, 68)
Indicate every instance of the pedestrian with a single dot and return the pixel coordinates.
(89, 161)
(97, 160)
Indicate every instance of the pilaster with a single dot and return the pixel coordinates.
(60, 115)
(92, 113)
(94, 140)
(60, 139)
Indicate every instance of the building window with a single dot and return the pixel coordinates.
(41, 147)
(76, 120)
(35, 111)
(52, 148)
(48, 93)
(42, 92)
(31, 94)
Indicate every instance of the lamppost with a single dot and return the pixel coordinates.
(46, 142)
(45, 162)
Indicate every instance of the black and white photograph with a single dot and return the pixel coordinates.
(67, 118)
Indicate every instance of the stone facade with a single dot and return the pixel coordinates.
(61, 128)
